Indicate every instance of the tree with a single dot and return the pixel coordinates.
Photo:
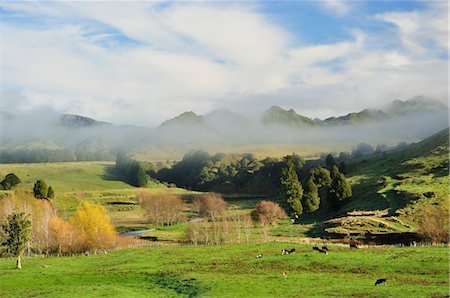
(17, 229)
(329, 160)
(321, 176)
(40, 189)
(343, 167)
(267, 213)
(334, 171)
(95, 225)
(161, 209)
(50, 193)
(10, 181)
(311, 200)
(340, 190)
(433, 223)
(290, 186)
(211, 205)
(138, 177)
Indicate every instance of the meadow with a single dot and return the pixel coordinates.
(233, 271)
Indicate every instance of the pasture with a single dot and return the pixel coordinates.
(233, 271)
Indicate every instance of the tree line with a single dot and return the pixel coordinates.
(53, 155)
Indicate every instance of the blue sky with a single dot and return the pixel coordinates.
(143, 62)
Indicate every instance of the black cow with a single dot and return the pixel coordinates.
(322, 251)
(381, 281)
(316, 248)
(292, 251)
(325, 248)
(353, 245)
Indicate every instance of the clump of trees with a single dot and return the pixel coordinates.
(132, 170)
(17, 230)
(9, 182)
(311, 199)
(41, 191)
(267, 213)
(162, 209)
(89, 229)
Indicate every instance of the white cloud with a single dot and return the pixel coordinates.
(340, 7)
(199, 56)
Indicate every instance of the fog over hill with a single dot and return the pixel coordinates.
(407, 121)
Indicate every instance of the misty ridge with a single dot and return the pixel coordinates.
(401, 121)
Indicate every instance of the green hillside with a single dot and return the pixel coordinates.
(279, 116)
(390, 190)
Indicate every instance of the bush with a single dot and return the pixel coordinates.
(65, 237)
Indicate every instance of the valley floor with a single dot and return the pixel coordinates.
(233, 271)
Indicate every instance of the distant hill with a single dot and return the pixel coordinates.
(280, 116)
(77, 121)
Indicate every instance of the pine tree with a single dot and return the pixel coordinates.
(290, 186)
(40, 189)
(17, 229)
(334, 171)
(339, 191)
(311, 199)
(321, 176)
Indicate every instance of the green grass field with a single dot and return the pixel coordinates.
(233, 271)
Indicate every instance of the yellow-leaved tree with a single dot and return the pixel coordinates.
(95, 225)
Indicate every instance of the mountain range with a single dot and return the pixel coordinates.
(408, 121)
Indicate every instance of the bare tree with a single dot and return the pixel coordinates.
(162, 209)
(267, 213)
(211, 205)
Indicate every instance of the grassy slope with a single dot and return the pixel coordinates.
(233, 271)
(401, 179)
(95, 181)
(402, 182)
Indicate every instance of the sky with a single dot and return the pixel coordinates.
(144, 62)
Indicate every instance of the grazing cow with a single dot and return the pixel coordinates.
(381, 281)
(316, 248)
(292, 251)
(259, 256)
(353, 245)
(322, 251)
(285, 251)
(325, 248)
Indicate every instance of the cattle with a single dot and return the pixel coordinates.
(316, 248)
(259, 256)
(287, 251)
(322, 251)
(353, 245)
(285, 274)
(381, 281)
(325, 248)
